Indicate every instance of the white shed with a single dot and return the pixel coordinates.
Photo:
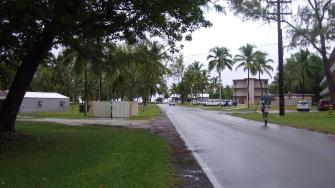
(44, 102)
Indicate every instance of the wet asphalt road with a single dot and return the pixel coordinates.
(239, 153)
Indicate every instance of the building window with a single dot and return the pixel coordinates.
(40, 102)
(61, 103)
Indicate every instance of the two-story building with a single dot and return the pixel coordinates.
(325, 92)
(255, 90)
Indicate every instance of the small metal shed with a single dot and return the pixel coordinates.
(44, 102)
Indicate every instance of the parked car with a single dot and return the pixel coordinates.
(172, 103)
(212, 102)
(323, 104)
(303, 106)
(226, 102)
(229, 102)
(223, 103)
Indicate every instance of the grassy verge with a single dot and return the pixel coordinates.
(150, 111)
(51, 155)
(317, 121)
(72, 113)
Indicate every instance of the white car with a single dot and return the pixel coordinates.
(302, 106)
(172, 103)
(212, 102)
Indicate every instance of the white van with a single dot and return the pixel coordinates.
(213, 102)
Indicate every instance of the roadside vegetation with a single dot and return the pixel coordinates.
(317, 121)
(240, 108)
(148, 112)
(54, 155)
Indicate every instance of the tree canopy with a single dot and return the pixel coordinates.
(29, 29)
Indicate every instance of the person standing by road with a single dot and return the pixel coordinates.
(265, 107)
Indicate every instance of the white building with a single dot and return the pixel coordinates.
(240, 90)
(43, 102)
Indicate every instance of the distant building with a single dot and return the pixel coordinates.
(240, 90)
(293, 98)
(42, 102)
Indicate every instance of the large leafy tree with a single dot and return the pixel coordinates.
(302, 62)
(312, 25)
(29, 29)
(177, 67)
(246, 59)
(220, 59)
(301, 67)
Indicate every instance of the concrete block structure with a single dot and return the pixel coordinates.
(240, 90)
(106, 109)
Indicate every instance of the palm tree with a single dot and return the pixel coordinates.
(213, 86)
(260, 66)
(246, 59)
(302, 62)
(220, 60)
(194, 77)
(151, 68)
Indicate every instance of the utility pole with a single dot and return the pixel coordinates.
(279, 14)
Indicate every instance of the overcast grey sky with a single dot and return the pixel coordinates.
(231, 32)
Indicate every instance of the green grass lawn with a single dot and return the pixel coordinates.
(53, 155)
(150, 111)
(72, 113)
(318, 121)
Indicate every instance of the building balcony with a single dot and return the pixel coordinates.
(240, 86)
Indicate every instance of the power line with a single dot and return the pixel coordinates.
(260, 46)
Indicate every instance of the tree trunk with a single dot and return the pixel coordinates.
(22, 79)
(86, 92)
(220, 85)
(303, 87)
(260, 82)
(248, 88)
(100, 86)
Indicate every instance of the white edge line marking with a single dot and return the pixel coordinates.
(203, 165)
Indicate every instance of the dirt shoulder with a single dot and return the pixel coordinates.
(185, 164)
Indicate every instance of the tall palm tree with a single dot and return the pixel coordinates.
(302, 62)
(220, 59)
(194, 76)
(261, 66)
(246, 59)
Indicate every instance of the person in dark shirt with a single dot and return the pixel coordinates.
(265, 107)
